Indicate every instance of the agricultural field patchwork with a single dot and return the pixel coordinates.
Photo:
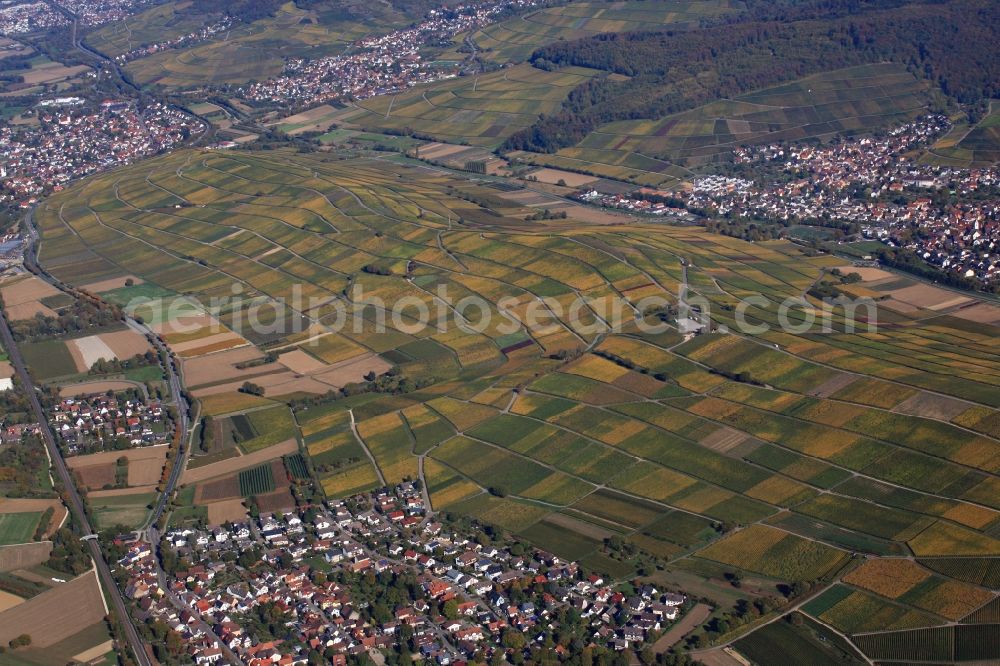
(969, 147)
(777, 458)
(482, 110)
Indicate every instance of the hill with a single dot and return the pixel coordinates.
(245, 41)
(819, 107)
(672, 71)
(515, 39)
(968, 147)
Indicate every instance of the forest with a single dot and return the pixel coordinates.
(953, 43)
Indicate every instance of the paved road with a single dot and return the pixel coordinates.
(176, 397)
(75, 503)
(180, 460)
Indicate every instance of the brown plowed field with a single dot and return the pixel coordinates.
(95, 477)
(27, 310)
(110, 283)
(24, 555)
(221, 367)
(126, 344)
(93, 388)
(227, 487)
(145, 464)
(55, 614)
(279, 500)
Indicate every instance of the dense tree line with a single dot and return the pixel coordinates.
(80, 316)
(953, 44)
(22, 467)
(905, 260)
(69, 554)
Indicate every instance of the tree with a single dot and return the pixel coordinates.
(252, 389)
(513, 639)
(24, 640)
(450, 609)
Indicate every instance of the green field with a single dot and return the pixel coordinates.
(128, 510)
(48, 359)
(773, 457)
(296, 466)
(264, 428)
(18, 527)
(480, 110)
(256, 481)
(781, 642)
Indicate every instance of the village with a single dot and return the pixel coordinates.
(443, 594)
(71, 142)
(99, 12)
(109, 422)
(27, 17)
(204, 33)
(382, 64)
(639, 202)
(874, 184)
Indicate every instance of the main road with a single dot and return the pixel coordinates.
(173, 379)
(180, 460)
(75, 503)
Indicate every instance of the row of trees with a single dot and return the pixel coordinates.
(82, 315)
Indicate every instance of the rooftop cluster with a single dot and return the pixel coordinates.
(377, 573)
(26, 17)
(74, 142)
(99, 12)
(98, 422)
(876, 184)
(381, 64)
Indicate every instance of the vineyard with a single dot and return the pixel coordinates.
(296, 466)
(940, 644)
(256, 481)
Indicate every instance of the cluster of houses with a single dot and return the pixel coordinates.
(12, 433)
(964, 239)
(467, 593)
(99, 12)
(381, 64)
(636, 202)
(75, 142)
(876, 183)
(202, 34)
(97, 423)
(19, 18)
